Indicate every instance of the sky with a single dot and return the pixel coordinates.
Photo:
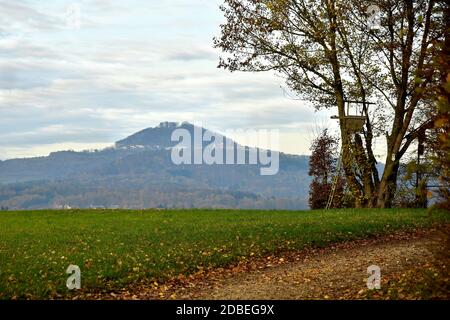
(84, 74)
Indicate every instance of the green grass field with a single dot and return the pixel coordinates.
(117, 248)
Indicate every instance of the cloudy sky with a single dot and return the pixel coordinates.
(69, 83)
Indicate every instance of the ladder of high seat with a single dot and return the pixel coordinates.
(335, 182)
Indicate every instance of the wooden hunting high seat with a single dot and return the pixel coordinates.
(353, 122)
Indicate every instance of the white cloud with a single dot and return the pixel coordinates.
(128, 67)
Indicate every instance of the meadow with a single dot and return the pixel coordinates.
(116, 248)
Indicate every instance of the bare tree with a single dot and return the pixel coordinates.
(329, 52)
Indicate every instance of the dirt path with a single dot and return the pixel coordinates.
(331, 273)
(335, 272)
(326, 275)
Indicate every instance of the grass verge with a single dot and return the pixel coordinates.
(116, 248)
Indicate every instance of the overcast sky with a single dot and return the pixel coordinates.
(125, 66)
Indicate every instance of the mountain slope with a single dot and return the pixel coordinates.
(139, 173)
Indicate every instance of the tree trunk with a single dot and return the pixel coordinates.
(388, 185)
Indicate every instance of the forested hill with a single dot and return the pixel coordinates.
(138, 173)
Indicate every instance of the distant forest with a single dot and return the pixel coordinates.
(138, 173)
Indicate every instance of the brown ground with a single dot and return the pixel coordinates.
(414, 265)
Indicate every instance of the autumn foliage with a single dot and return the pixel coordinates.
(329, 52)
(440, 140)
(322, 167)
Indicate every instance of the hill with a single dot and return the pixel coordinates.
(138, 173)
